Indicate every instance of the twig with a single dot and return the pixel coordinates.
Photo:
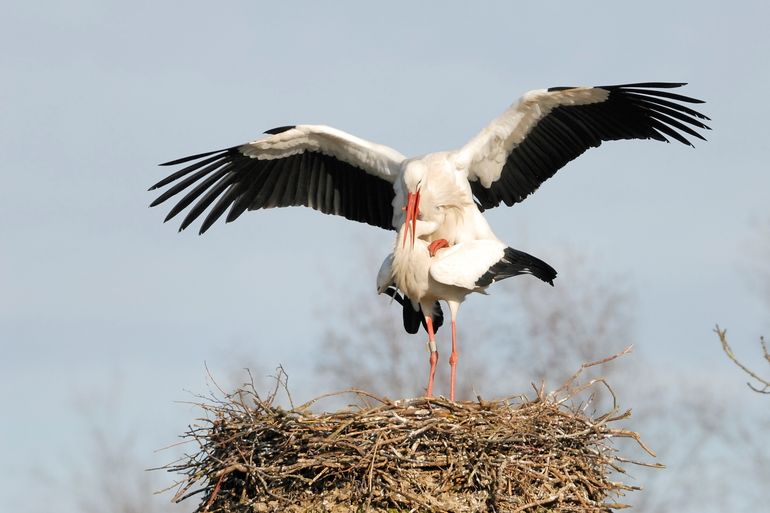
(214, 493)
(541, 502)
(568, 384)
(722, 334)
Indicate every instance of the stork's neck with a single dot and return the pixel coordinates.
(411, 262)
(405, 248)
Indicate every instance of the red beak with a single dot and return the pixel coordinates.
(412, 211)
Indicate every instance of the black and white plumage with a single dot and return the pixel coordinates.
(412, 318)
(337, 173)
(514, 263)
(547, 129)
(429, 272)
(296, 166)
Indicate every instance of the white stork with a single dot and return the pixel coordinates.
(337, 173)
(428, 272)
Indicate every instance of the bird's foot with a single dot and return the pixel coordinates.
(434, 246)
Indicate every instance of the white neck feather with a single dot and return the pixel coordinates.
(411, 264)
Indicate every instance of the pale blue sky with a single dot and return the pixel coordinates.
(95, 93)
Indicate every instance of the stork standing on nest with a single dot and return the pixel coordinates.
(336, 173)
(429, 272)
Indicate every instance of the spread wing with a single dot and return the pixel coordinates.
(313, 166)
(509, 159)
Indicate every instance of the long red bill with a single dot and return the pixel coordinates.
(412, 211)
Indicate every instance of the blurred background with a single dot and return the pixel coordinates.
(111, 323)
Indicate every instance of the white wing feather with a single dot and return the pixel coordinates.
(463, 264)
(484, 156)
(375, 159)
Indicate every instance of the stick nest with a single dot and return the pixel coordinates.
(510, 455)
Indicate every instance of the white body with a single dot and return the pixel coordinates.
(450, 275)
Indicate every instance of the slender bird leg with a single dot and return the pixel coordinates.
(453, 362)
(454, 307)
(437, 244)
(433, 354)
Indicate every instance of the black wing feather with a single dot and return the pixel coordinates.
(241, 204)
(182, 172)
(182, 185)
(312, 179)
(631, 111)
(213, 193)
(219, 208)
(197, 191)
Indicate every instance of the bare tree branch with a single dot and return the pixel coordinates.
(764, 384)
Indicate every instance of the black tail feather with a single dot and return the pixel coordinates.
(413, 319)
(515, 262)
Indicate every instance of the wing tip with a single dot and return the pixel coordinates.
(197, 156)
(279, 129)
(204, 227)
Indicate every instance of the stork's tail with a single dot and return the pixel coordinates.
(412, 318)
(513, 263)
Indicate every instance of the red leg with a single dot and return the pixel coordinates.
(433, 354)
(453, 362)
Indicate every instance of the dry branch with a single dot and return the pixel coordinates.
(409, 455)
(764, 384)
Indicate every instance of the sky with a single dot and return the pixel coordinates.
(97, 294)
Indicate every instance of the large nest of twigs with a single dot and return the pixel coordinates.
(411, 455)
